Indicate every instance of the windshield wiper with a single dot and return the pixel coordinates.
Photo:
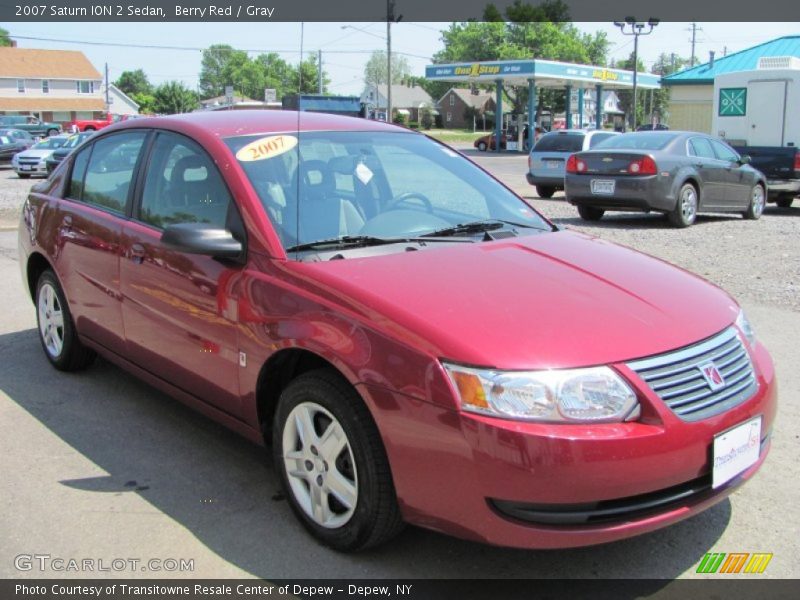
(343, 241)
(476, 227)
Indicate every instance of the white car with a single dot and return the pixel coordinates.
(33, 161)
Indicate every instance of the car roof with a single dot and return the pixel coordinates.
(227, 123)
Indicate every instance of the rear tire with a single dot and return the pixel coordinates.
(56, 330)
(685, 212)
(758, 198)
(332, 463)
(545, 191)
(89, 128)
(52, 132)
(785, 201)
(590, 213)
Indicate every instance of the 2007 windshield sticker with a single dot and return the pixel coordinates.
(266, 147)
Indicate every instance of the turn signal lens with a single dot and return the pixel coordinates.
(470, 389)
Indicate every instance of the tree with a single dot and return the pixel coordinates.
(216, 66)
(309, 82)
(146, 102)
(541, 31)
(134, 82)
(174, 97)
(375, 69)
(5, 40)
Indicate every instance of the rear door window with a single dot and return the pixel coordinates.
(109, 172)
(560, 142)
(701, 147)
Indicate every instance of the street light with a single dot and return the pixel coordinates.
(636, 29)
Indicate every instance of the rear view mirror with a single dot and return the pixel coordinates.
(744, 160)
(202, 238)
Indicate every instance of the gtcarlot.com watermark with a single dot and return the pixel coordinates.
(46, 563)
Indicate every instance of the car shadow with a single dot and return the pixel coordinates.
(615, 220)
(223, 490)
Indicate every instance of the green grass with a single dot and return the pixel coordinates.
(454, 135)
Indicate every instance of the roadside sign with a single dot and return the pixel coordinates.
(270, 95)
(732, 102)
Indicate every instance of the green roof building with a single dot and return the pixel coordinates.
(692, 90)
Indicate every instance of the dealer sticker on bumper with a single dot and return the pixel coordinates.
(735, 451)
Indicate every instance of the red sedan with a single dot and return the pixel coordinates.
(415, 342)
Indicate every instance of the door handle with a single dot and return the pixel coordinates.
(66, 223)
(137, 253)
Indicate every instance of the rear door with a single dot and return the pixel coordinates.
(710, 171)
(98, 194)
(180, 310)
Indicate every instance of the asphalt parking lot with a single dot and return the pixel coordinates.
(98, 465)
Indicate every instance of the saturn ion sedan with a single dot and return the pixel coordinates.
(675, 173)
(413, 340)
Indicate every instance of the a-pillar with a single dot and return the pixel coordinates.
(531, 112)
(498, 116)
(598, 113)
(568, 107)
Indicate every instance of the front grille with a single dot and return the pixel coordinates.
(676, 377)
(29, 161)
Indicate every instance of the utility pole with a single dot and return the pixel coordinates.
(694, 30)
(672, 60)
(636, 29)
(319, 71)
(108, 98)
(389, 19)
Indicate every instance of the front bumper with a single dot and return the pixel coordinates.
(473, 477)
(38, 169)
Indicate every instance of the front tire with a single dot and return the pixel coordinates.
(590, 213)
(24, 175)
(482, 146)
(545, 191)
(52, 132)
(56, 329)
(685, 212)
(758, 198)
(332, 463)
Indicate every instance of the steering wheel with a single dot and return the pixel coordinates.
(402, 198)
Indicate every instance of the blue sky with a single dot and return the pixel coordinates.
(344, 50)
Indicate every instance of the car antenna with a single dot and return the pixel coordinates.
(297, 108)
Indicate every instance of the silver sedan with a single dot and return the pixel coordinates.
(677, 173)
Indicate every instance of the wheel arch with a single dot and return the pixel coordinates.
(37, 264)
(280, 369)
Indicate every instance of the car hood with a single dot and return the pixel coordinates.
(35, 153)
(554, 300)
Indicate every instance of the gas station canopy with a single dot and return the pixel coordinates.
(546, 73)
(536, 73)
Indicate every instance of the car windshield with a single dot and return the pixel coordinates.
(75, 140)
(368, 186)
(560, 142)
(645, 140)
(51, 143)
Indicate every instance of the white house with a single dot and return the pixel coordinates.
(54, 85)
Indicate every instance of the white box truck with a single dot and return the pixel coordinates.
(758, 113)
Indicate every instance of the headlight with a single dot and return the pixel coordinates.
(594, 395)
(744, 326)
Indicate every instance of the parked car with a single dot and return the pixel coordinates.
(489, 142)
(33, 161)
(334, 291)
(547, 160)
(13, 141)
(77, 125)
(652, 127)
(30, 124)
(61, 153)
(677, 173)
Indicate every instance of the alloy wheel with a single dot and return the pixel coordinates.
(51, 320)
(319, 465)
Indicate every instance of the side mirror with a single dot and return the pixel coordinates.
(744, 160)
(202, 238)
